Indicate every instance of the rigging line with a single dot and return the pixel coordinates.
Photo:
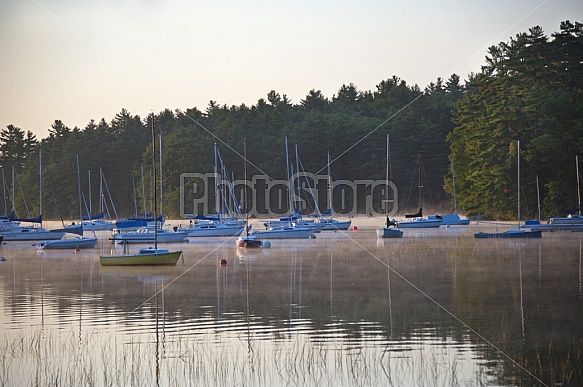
(422, 94)
(22, 194)
(153, 296)
(132, 75)
(372, 131)
(426, 181)
(502, 33)
(179, 276)
(443, 308)
(411, 186)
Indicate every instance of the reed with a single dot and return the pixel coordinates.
(62, 359)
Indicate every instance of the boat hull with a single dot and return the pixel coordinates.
(420, 223)
(216, 231)
(249, 242)
(98, 225)
(389, 233)
(33, 235)
(451, 220)
(292, 233)
(148, 237)
(165, 258)
(335, 225)
(76, 243)
(512, 234)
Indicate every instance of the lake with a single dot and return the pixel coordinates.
(436, 307)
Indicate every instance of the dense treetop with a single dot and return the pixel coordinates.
(529, 89)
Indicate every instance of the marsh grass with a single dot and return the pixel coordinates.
(63, 359)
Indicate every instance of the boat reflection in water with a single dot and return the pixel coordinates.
(339, 308)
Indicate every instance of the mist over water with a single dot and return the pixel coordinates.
(436, 307)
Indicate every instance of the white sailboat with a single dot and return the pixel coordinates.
(216, 226)
(79, 242)
(148, 255)
(290, 231)
(152, 234)
(32, 233)
(331, 223)
(98, 223)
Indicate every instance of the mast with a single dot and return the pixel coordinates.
(135, 197)
(453, 183)
(287, 177)
(90, 209)
(297, 186)
(387, 179)
(155, 198)
(143, 188)
(578, 189)
(4, 190)
(538, 197)
(216, 173)
(330, 186)
(161, 184)
(101, 198)
(420, 186)
(518, 183)
(40, 181)
(79, 190)
(245, 187)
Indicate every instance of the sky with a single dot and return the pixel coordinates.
(75, 61)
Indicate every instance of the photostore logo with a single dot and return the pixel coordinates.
(309, 194)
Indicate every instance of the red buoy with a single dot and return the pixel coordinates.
(355, 228)
(223, 262)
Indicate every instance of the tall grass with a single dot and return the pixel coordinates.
(59, 358)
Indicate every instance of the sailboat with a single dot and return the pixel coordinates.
(452, 219)
(574, 221)
(78, 242)
(147, 255)
(32, 233)
(390, 230)
(247, 240)
(289, 231)
(151, 234)
(216, 225)
(331, 223)
(417, 220)
(513, 233)
(97, 222)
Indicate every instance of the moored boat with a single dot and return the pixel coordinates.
(513, 233)
(149, 235)
(145, 256)
(284, 232)
(212, 228)
(71, 243)
(420, 223)
(149, 255)
(451, 219)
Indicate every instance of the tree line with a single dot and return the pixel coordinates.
(529, 89)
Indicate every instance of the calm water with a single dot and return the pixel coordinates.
(436, 307)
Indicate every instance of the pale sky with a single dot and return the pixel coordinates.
(78, 60)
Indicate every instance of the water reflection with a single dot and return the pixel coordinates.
(341, 308)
